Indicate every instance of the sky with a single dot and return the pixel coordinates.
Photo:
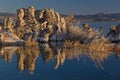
(79, 7)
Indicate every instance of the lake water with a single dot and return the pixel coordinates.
(53, 62)
(104, 24)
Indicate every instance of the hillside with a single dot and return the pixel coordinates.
(6, 15)
(94, 17)
(99, 17)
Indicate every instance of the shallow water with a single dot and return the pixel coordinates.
(54, 62)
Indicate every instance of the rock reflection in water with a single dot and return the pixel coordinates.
(26, 56)
(7, 52)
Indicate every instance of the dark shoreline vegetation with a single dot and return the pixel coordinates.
(33, 27)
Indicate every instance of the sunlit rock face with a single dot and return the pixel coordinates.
(29, 18)
(8, 24)
(1, 37)
(20, 15)
(26, 23)
(7, 32)
(43, 25)
(9, 37)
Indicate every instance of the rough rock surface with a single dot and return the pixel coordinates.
(43, 25)
(53, 23)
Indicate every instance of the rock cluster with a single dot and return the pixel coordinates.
(43, 25)
(7, 32)
(52, 25)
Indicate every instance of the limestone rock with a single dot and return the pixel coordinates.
(8, 24)
(48, 17)
(9, 37)
(26, 22)
(45, 24)
(20, 15)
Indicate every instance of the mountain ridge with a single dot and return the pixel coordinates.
(99, 17)
(7, 14)
(94, 17)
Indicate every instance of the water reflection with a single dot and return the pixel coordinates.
(7, 52)
(27, 56)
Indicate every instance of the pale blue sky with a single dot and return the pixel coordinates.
(64, 6)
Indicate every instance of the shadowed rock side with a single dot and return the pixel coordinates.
(114, 34)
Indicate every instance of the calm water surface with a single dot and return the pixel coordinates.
(53, 62)
(104, 24)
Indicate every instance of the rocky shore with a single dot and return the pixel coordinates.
(35, 26)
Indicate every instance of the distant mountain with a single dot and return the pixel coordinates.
(7, 14)
(99, 17)
(3, 16)
(93, 17)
